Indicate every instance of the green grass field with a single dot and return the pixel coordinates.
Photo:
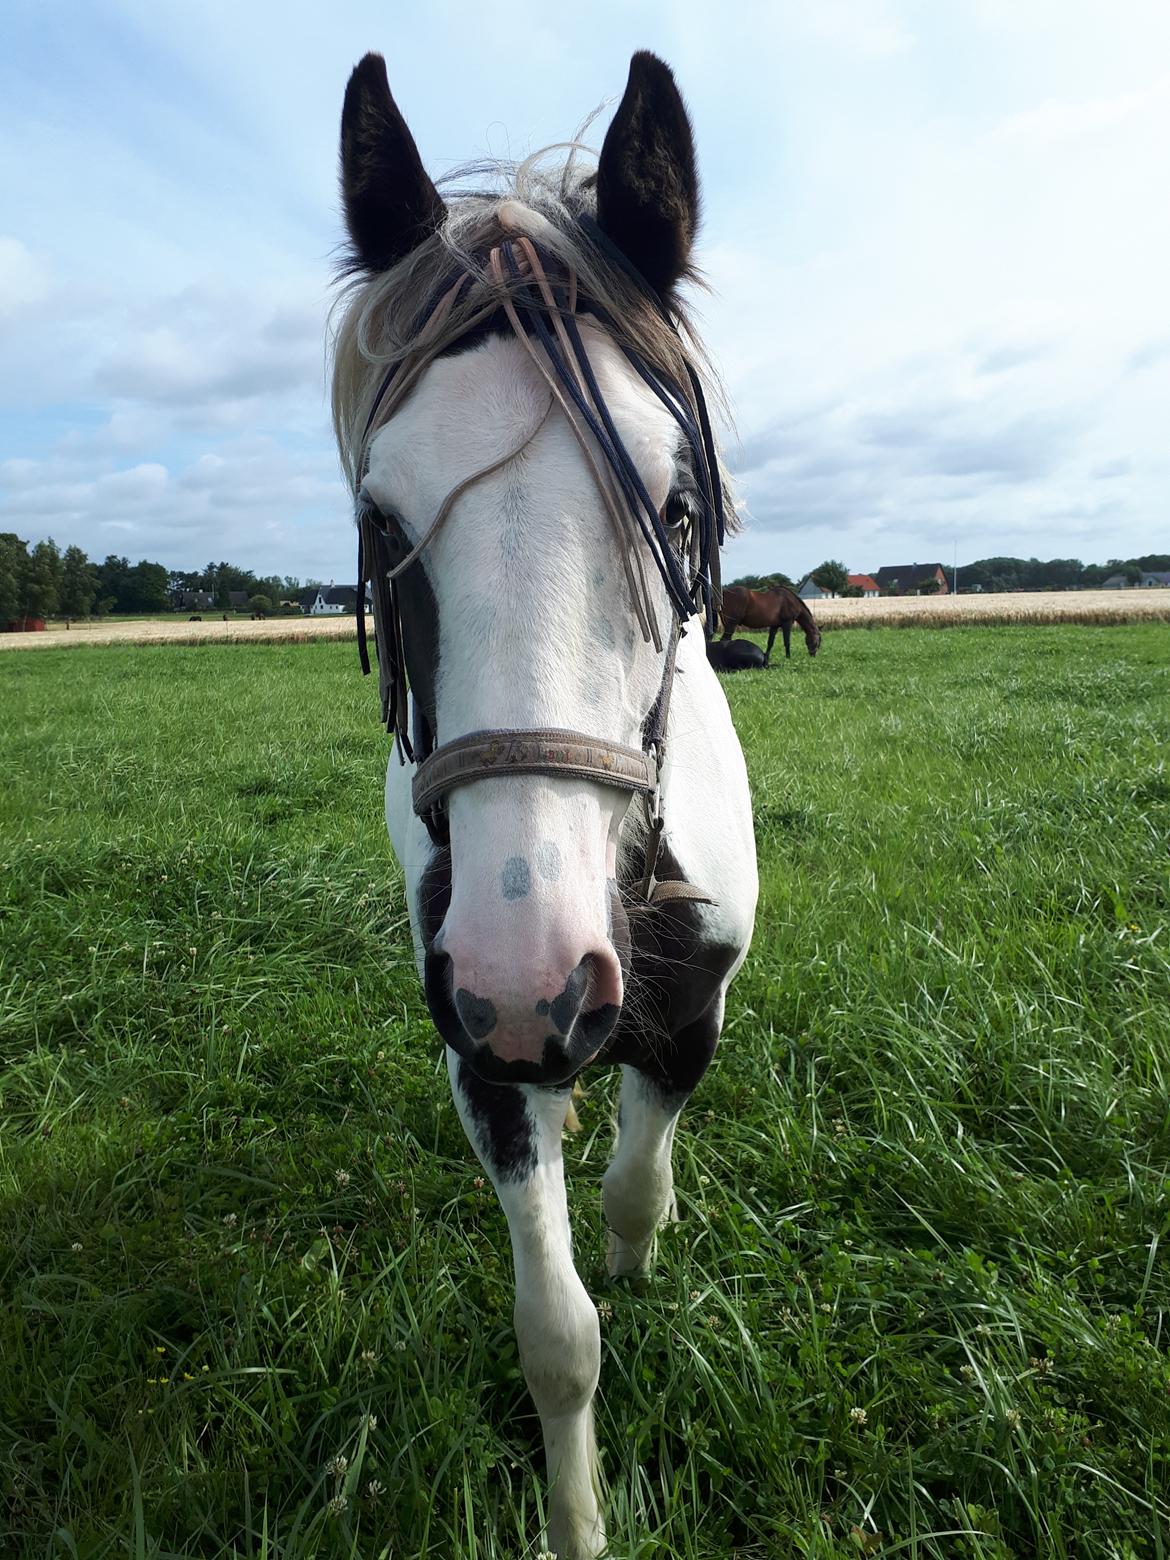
(254, 1302)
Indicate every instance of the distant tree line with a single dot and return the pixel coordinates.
(42, 581)
(764, 581)
(1004, 574)
(992, 574)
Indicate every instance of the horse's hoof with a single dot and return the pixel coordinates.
(577, 1537)
(627, 1259)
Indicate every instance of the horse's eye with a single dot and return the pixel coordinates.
(387, 525)
(679, 508)
(367, 508)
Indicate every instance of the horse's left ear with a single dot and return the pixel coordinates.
(391, 206)
(647, 182)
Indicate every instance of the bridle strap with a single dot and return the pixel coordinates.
(457, 492)
(487, 755)
(627, 550)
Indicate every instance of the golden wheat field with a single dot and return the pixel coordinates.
(153, 631)
(1074, 606)
(1082, 606)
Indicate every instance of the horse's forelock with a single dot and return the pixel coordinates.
(378, 317)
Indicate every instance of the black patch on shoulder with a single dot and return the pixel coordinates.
(500, 1113)
(668, 1029)
(542, 1008)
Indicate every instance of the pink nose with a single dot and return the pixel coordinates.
(518, 1018)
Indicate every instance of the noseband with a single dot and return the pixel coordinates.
(539, 299)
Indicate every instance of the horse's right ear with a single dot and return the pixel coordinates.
(391, 206)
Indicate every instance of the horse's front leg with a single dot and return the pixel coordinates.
(638, 1187)
(516, 1131)
(771, 642)
(788, 641)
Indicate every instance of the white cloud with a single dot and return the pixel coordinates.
(1061, 121)
(240, 503)
(23, 282)
(938, 235)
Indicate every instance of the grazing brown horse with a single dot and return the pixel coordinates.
(778, 608)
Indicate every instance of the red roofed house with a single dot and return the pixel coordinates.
(909, 579)
(863, 583)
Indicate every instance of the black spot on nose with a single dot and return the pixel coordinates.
(478, 1015)
(516, 878)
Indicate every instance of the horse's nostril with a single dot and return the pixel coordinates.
(477, 1014)
(600, 998)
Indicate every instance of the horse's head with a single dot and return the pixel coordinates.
(812, 638)
(518, 614)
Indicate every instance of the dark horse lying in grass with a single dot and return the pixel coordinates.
(778, 608)
(735, 655)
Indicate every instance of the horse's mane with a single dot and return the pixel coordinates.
(378, 318)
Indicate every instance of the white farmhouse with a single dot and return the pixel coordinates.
(329, 600)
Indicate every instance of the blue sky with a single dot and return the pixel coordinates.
(938, 236)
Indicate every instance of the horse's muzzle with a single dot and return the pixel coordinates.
(541, 1039)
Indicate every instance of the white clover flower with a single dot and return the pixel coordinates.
(858, 1415)
(337, 1465)
(341, 1177)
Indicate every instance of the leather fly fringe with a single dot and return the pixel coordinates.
(539, 299)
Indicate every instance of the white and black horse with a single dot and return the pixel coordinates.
(521, 410)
